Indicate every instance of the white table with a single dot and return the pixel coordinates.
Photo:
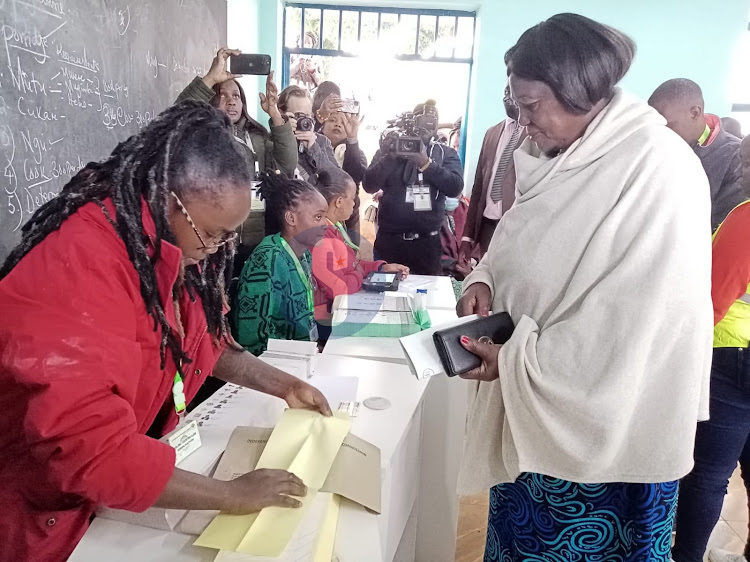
(361, 536)
(420, 437)
(436, 514)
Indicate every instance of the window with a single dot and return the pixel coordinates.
(390, 59)
(740, 86)
(437, 35)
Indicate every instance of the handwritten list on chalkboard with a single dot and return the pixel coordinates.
(79, 76)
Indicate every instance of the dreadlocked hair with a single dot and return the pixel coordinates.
(188, 149)
(281, 195)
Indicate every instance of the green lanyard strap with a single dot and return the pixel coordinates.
(178, 394)
(347, 240)
(304, 276)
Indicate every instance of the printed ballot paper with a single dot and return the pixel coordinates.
(315, 448)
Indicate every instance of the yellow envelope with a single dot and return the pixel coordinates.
(325, 543)
(303, 442)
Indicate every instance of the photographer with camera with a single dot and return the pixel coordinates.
(416, 174)
(315, 150)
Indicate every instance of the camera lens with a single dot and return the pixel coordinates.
(409, 145)
(305, 124)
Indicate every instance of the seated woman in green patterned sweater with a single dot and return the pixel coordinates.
(275, 295)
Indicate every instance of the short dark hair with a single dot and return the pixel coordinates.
(291, 92)
(678, 90)
(282, 194)
(580, 59)
(333, 182)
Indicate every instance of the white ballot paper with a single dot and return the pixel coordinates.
(421, 354)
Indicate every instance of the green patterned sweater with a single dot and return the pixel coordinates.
(271, 298)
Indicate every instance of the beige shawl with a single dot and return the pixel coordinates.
(604, 264)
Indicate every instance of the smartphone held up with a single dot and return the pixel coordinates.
(250, 64)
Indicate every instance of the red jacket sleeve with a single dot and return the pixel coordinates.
(730, 273)
(72, 357)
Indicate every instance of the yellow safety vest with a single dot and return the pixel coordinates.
(734, 329)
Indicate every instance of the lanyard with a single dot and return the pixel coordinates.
(704, 136)
(178, 394)
(303, 275)
(347, 240)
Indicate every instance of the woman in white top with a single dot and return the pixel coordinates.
(583, 422)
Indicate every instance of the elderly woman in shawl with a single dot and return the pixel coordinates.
(582, 423)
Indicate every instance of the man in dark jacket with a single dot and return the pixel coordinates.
(680, 101)
(412, 208)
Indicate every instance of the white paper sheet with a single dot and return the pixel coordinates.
(336, 389)
(421, 354)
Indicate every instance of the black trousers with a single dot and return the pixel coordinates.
(421, 256)
(486, 232)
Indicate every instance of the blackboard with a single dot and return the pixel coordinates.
(79, 76)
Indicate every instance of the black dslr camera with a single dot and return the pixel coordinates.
(404, 135)
(304, 123)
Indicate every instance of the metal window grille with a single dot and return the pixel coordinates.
(439, 35)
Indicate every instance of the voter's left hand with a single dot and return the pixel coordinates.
(306, 397)
(488, 353)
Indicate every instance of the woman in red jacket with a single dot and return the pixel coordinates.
(113, 316)
(335, 260)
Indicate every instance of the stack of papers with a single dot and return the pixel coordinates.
(294, 357)
(374, 315)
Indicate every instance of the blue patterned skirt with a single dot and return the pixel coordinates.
(538, 518)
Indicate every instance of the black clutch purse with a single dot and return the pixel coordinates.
(455, 359)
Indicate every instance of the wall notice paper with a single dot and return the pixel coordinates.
(421, 353)
(303, 442)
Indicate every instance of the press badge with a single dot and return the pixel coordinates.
(419, 195)
(410, 194)
(185, 440)
(422, 198)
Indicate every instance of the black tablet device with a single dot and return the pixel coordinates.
(377, 281)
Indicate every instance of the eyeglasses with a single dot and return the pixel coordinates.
(229, 237)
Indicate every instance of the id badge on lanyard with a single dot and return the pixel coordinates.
(419, 195)
(185, 439)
